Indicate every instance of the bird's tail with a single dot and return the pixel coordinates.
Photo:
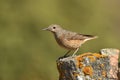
(89, 37)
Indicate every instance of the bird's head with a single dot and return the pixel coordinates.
(53, 28)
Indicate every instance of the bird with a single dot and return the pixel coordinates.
(68, 39)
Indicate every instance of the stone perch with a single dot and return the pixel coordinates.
(90, 66)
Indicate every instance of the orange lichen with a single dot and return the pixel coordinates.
(75, 74)
(103, 56)
(97, 55)
(102, 65)
(88, 70)
(80, 65)
(92, 58)
(79, 58)
(99, 79)
(104, 73)
(86, 54)
(79, 62)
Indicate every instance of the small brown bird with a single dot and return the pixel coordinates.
(67, 39)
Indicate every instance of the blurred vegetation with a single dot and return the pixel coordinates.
(28, 53)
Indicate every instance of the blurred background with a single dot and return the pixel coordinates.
(28, 53)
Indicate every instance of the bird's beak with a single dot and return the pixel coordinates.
(45, 29)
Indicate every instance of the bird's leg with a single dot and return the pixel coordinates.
(67, 53)
(75, 52)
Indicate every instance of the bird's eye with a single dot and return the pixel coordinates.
(54, 27)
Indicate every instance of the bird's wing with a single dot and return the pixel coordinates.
(77, 36)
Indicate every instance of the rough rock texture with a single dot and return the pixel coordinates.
(90, 66)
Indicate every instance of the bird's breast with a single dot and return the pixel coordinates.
(68, 44)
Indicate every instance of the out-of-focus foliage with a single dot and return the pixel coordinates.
(28, 53)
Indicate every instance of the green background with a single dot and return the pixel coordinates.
(28, 53)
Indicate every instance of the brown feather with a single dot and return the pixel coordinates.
(81, 37)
